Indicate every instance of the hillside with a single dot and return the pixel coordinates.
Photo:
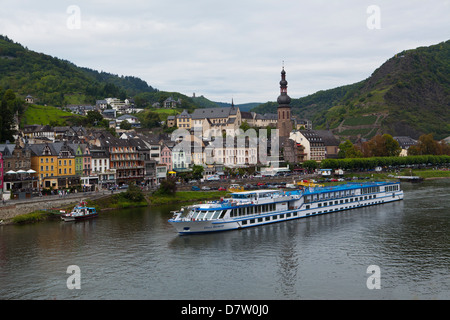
(408, 95)
(58, 82)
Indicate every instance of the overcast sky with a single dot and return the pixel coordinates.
(229, 49)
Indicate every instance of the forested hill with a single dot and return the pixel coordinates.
(59, 82)
(408, 95)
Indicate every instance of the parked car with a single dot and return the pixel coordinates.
(195, 188)
(124, 186)
(222, 189)
(205, 188)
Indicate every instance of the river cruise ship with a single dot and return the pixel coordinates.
(254, 208)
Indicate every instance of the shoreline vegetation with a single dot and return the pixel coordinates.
(134, 197)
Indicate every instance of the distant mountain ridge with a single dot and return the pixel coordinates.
(408, 95)
(58, 82)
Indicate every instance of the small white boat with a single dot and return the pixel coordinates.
(80, 212)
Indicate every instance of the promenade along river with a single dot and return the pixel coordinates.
(135, 254)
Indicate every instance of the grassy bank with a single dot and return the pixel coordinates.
(33, 217)
(187, 196)
(424, 173)
(116, 201)
(427, 173)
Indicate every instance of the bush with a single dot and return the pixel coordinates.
(134, 194)
(167, 187)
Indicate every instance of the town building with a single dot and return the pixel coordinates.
(294, 152)
(312, 142)
(171, 103)
(101, 104)
(132, 120)
(38, 132)
(217, 121)
(183, 120)
(18, 182)
(166, 156)
(67, 177)
(171, 121)
(330, 143)
(405, 142)
(234, 152)
(29, 99)
(124, 158)
(106, 176)
(266, 120)
(44, 161)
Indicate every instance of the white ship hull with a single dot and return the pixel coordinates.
(304, 210)
(192, 227)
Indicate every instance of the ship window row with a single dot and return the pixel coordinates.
(329, 195)
(370, 190)
(243, 211)
(270, 218)
(206, 215)
(391, 188)
(336, 202)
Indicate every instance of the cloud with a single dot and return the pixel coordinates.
(229, 49)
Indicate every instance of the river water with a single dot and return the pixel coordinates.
(136, 254)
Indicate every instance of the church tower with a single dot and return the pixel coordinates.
(284, 124)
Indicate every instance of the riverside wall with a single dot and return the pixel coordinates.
(15, 208)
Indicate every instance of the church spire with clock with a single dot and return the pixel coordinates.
(284, 124)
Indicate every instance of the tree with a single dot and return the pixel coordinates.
(94, 117)
(167, 187)
(151, 120)
(7, 116)
(348, 150)
(428, 146)
(381, 146)
(310, 165)
(134, 193)
(197, 172)
(125, 125)
(245, 126)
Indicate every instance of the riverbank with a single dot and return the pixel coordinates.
(41, 209)
(426, 174)
(37, 213)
